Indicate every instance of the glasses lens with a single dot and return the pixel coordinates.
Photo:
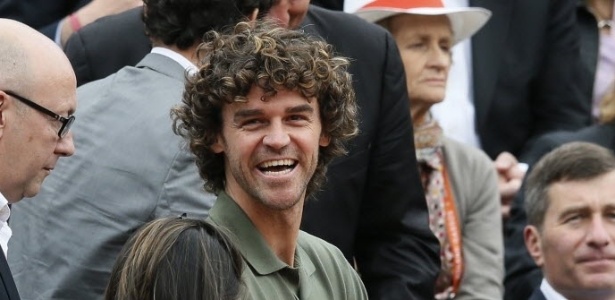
(66, 126)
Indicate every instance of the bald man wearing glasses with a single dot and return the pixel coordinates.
(37, 102)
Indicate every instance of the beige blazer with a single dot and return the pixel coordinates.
(474, 183)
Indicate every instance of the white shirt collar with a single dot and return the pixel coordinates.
(5, 211)
(5, 230)
(180, 59)
(549, 292)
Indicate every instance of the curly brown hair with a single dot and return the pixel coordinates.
(272, 58)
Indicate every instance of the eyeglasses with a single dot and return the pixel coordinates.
(66, 122)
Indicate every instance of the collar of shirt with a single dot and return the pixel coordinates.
(5, 230)
(253, 247)
(180, 59)
(549, 292)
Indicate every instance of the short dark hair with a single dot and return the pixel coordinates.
(575, 161)
(271, 58)
(184, 22)
(177, 258)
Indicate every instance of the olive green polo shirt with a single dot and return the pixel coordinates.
(320, 272)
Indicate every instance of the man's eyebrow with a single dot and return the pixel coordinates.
(246, 113)
(300, 108)
(574, 209)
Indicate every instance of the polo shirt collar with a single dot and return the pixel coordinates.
(253, 247)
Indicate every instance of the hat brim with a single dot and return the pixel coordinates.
(465, 21)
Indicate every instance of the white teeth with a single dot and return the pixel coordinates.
(277, 173)
(275, 163)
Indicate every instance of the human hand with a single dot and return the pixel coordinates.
(510, 177)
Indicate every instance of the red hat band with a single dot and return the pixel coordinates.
(404, 4)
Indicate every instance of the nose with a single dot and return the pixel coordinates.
(279, 13)
(65, 145)
(599, 234)
(439, 58)
(276, 137)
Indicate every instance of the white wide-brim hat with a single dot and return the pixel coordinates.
(465, 21)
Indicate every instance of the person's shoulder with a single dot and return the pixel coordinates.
(593, 134)
(463, 153)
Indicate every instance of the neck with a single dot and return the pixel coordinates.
(419, 116)
(279, 228)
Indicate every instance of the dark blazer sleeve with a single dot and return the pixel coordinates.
(559, 102)
(106, 45)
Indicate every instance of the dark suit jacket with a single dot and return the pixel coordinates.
(523, 274)
(43, 15)
(537, 295)
(526, 73)
(373, 206)
(8, 290)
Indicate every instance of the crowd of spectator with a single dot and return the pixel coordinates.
(323, 149)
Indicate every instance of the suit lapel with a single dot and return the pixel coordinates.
(488, 45)
(6, 278)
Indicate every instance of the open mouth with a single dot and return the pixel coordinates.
(277, 167)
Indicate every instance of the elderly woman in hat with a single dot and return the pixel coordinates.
(460, 181)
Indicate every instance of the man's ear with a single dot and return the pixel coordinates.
(533, 243)
(3, 113)
(218, 146)
(324, 140)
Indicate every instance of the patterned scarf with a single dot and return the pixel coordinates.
(443, 218)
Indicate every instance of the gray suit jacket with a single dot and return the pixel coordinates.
(129, 168)
(474, 183)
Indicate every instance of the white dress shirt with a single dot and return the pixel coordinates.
(5, 230)
(549, 292)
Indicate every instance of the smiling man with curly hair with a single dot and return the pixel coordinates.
(267, 111)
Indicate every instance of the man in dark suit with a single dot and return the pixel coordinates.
(372, 206)
(37, 100)
(570, 203)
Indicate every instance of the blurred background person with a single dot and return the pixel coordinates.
(177, 259)
(59, 19)
(459, 181)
